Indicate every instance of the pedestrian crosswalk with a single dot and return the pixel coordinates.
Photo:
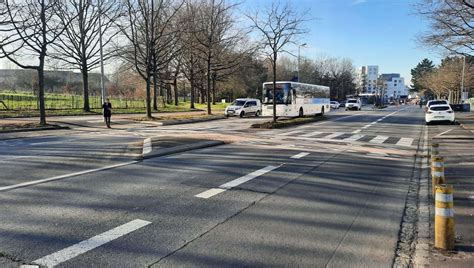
(348, 137)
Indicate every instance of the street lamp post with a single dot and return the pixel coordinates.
(299, 52)
(102, 85)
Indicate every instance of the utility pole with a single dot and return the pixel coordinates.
(299, 50)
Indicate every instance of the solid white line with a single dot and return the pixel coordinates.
(29, 183)
(91, 243)
(226, 186)
(379, 139)
(405, 142)
(311, 134)
(333, 135)
(354, 137)
(356, 131)
(300, 155)
(147, 146)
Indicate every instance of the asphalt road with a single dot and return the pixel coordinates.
(331, 193)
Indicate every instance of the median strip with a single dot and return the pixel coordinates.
(229, 185)
(91, 243)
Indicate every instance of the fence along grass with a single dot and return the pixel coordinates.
(29, 101)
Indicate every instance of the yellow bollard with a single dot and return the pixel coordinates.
(444, 217)
(437, 172)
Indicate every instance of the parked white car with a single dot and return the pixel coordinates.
(334, 105)
(439, 113)
(243, 107)
(353, 104)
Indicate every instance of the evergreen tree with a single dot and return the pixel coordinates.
(425, 66)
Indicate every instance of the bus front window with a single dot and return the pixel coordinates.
(281, 95)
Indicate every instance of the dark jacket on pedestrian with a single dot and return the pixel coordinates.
(107, 107)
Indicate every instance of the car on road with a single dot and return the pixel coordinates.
(353, 104)
(436, 102)
(439, 113)
(244, 107)
(335, 105)
(342, 104)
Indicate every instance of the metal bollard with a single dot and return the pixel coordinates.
(437, 172)
(444, 217)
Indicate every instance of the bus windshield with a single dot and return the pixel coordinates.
(281, 93)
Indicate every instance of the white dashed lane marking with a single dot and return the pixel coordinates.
(91, 243)
(229, 185)
(300, 155)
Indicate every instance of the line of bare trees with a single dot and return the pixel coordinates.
(162, 42)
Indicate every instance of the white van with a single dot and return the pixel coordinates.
(243, 107)
(353, 104)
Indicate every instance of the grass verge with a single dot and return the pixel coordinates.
(25, 126)
(283, 123)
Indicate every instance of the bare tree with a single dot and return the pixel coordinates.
(452, 25)
(278, 26)
(28, 28)
(214, 27)
(147, 22)
(79, 46)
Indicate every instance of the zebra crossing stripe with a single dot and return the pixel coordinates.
(405, 142)
(354, 137)
(291, 133)
(311, 134)
(333, 135)
(379, 139)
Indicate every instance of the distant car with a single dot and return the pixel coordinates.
(391, 102)
(342, 104)
(243, 107)
(436, 102)
(335, 105)
(439, 113)
(353, 104)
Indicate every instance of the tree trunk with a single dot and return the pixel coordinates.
(41, 94)
(85, 88)
(155, 104)
(148, 96)
(175, 85)
(214, 89)
(193, 90)
(208, 88)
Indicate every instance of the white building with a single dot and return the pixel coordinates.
(394, 86)
(367, 78)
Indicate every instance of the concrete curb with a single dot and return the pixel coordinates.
(190, 121)
(33, 129)
(423, 240)
(181, 148)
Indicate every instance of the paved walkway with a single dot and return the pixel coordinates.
(457, 147)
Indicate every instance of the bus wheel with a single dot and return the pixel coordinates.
(301, 114)
(322, 111)
(242, 114)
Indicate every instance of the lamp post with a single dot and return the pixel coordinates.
(102, 85)
(463, 97)
(299, 52)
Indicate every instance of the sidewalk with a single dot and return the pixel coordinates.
(457, 148)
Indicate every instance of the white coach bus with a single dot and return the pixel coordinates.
(295, 99)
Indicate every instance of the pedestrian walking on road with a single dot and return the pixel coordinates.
(107, 107)
(421, 103)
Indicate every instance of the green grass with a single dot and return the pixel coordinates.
(24, 105)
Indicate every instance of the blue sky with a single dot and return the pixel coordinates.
(370, 32)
